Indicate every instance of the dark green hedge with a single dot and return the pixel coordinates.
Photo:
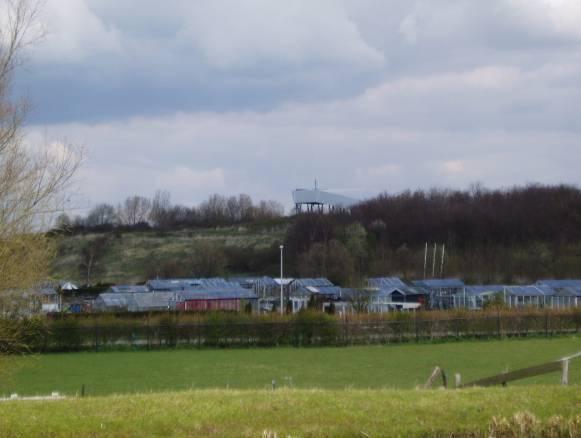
(304, 329)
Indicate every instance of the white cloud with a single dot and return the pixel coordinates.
(471, 91)
(454, 166)
(431, 130)
(254, 33)
(186, 182)
(74, 33)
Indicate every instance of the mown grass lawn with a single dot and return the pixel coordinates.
(372, 367)
(297, 413)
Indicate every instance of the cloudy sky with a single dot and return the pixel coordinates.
(262, 96)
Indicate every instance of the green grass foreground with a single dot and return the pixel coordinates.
(367, 367)
(297, 413)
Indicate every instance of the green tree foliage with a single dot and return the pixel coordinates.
(331, 260)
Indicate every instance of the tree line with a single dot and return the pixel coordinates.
(518, 235)
(138, 212)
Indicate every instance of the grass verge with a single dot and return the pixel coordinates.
(287, 412)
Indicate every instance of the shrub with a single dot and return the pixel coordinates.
(310, 328)
(65, 335)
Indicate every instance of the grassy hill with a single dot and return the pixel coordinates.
(128, 253)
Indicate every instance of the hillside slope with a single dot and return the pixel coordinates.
(129, 255)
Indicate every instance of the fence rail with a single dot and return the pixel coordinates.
(74, 335)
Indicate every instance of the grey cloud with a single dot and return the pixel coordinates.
(447, 130)
(366, 94)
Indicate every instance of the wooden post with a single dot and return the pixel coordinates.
(432, 377)
(458, 380)
(565, 375)
(438, 372)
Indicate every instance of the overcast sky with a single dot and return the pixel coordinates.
(262, 96)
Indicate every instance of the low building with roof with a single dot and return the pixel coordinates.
(476, 296)
(303, 290)
(176, 284)
(316, 200)
(536, 295)
(229, 298)
(128, 289)
(395, 290)
(263, 287)
(135, 302)
(442, 293)
(567, 292)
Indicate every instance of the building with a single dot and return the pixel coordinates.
(135, 302)
(476, 296)
(263, 287)
(303, 290)
(230, 298)
(567, 292)
(315, 200)
(528, 296)
(177, 284)
(128, 289)
(393, 289)
(442, 293)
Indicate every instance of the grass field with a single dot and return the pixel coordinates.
(373, 367)
(287, 412)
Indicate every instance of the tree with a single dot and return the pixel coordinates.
(330, 260)
(63, 222)
(356, 244)
(134, 210)
(160, 206)
(208, 260)
(246, 208)
(91, 256)
(404, 260)
(32, 180)
(100, 215)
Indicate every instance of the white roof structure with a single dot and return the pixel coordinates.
(321, 197)
(68, 286)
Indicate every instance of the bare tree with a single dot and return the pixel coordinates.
(233, 207)
(134, 210)
(246, 208)
(101, 214)
(32, 179)
(91, 257)
(207, 260)
(160, 207)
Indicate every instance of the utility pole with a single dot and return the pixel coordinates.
(425, 259)
(434, 261)
(281, 282)
(442, 264)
